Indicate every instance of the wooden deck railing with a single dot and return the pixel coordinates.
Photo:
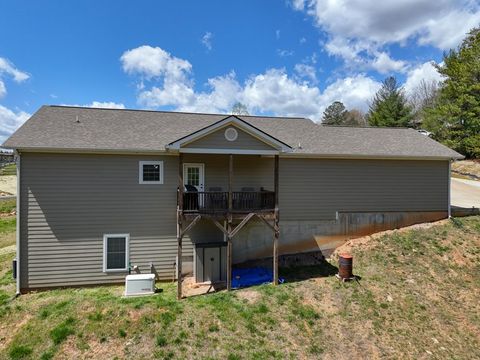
(217, 201)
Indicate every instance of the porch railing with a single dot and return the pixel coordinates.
(217, 201)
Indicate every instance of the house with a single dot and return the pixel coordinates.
(102, 191)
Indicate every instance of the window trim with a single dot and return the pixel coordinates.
(127, 251)
(150, 162)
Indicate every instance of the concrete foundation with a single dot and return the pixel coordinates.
(254, 241)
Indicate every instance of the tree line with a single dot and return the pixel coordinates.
(448, 110)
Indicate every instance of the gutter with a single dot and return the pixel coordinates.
(174, 152)
(18, 161)
(450, 189)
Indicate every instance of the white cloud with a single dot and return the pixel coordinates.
(449, 31)
(277, 34)
(10, 121)
(106, 105)
(298, 4)
(359, 29)
(207, 40)
(425, 72)
(151, 62)
(275, 92)
(101, 105)
(384, 64)
(272, 92)
(355, 92)
(3, 89)
(6, 67)
(307, 72)
(284, 52)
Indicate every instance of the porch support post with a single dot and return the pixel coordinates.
(276, 225)
(229, 223)
(179, 226)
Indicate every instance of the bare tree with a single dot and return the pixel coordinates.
(423, 97)
(239, 109)
(355, 118)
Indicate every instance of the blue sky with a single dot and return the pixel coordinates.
(289, 57)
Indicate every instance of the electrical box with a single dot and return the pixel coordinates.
(139, 284)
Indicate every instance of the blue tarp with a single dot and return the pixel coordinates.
(252, 276)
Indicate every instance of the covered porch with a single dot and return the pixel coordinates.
(227, 191)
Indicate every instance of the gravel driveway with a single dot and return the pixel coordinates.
(465, 193)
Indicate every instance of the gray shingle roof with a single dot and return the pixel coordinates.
(56, 127)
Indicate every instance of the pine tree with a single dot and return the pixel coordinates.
(455, 118)
(335, 114)
(390, 106)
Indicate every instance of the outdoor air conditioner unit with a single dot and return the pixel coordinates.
(139, 284)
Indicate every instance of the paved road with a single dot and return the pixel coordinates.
(465, 193)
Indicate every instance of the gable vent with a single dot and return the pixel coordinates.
(231, 134)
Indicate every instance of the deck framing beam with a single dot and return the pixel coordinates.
(276, 224)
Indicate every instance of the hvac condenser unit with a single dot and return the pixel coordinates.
(139, 284)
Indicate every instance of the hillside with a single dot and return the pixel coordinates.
(417, 298)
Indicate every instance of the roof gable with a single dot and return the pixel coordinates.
(246, 139)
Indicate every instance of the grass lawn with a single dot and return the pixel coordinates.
(8, 170)
(7, 206)
(417, 298)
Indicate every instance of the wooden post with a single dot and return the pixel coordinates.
(276, 226)
(179, 226)
(229, 223)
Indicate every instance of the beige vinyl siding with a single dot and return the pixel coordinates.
(315, 189)
(248, 171)
(217, 140)
(70, 201)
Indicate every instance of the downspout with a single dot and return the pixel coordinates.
(18, 162)
(449, 188)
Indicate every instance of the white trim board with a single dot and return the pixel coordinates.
(228, 151)
(150, 162)
(18, 210)
(228, 121)
(127, 251)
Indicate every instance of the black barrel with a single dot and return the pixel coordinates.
(345, 266)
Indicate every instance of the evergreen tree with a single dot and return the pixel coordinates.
(390, 106)
(335, 114)
(455, 118)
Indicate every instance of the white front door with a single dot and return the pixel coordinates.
(194, 175)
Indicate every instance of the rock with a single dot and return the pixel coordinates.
(389, 298)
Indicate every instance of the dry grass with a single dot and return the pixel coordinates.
(417, 298)
(466, 168)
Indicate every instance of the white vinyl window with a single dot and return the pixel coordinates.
(115, 252)
(150, 172)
